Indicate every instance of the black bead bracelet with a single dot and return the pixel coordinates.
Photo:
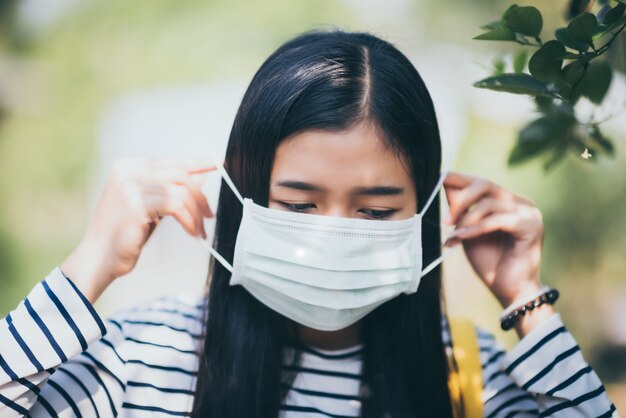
(549, 297)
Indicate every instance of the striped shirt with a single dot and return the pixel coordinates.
(58, 357)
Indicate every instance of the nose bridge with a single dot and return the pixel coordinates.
(339, 206)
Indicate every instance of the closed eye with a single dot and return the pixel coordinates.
(298, 207)
(370, 213)
(378, 214)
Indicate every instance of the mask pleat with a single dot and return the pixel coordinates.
(330, 279)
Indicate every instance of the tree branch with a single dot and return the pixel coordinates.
(608, 44)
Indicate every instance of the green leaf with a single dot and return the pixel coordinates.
(545, 63)
(498, 66)
(563, 35)
(543, 103)
(595, 82)
(583, 27)
(573, 71)
(558, 153)
(534, 139)
(519, 60)
(603, 29)
(499, 34)
(515, 83)
(521, 38)
(526, 20)
(614, 14)
(572, 74)
(493, 25)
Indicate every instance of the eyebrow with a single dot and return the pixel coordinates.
(359, 191)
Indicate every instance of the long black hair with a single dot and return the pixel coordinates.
(329, 80)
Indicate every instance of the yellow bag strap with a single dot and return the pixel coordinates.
(465, 378)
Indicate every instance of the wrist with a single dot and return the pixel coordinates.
(533, 319)
(529, 311)
(84, 268)
(518, 296)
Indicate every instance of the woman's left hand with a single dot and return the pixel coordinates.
(502, 234)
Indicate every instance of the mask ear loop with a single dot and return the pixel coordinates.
(229, 182)
(435, 262)
(446, 252)
(217, 255)
(442, 177)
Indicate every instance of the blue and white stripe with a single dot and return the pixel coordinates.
(59, 358)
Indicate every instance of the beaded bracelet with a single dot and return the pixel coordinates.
(549, 296)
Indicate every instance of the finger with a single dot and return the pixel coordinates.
(186, 164)
(524, 200)
(461, 200)
(485, 206)
(464, 199)
(451, 194)
(169, 174)
(199, 197)
(184, 193)
(134, 167)
(455, 179)
(193, 182)
(507, 222)
(177, 196)
(162, 205)
(200, 170)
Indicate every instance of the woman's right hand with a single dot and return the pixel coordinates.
(137, 194)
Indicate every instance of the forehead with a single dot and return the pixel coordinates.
(357, 155)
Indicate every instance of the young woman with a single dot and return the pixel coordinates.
(326, 297)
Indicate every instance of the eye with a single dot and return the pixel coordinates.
(298, 207)
(378, 214)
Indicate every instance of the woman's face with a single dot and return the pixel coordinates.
(347, 174)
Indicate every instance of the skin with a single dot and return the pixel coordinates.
(347, 174)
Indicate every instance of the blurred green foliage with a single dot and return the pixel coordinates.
(56, 84)
(555, 87)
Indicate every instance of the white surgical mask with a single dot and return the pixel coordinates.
(325, 272)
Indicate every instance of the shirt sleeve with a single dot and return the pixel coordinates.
(54, 357)
(543, 375)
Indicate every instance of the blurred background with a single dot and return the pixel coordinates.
(85, 82)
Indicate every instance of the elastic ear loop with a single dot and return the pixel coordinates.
(446, 251)
(230, 184)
